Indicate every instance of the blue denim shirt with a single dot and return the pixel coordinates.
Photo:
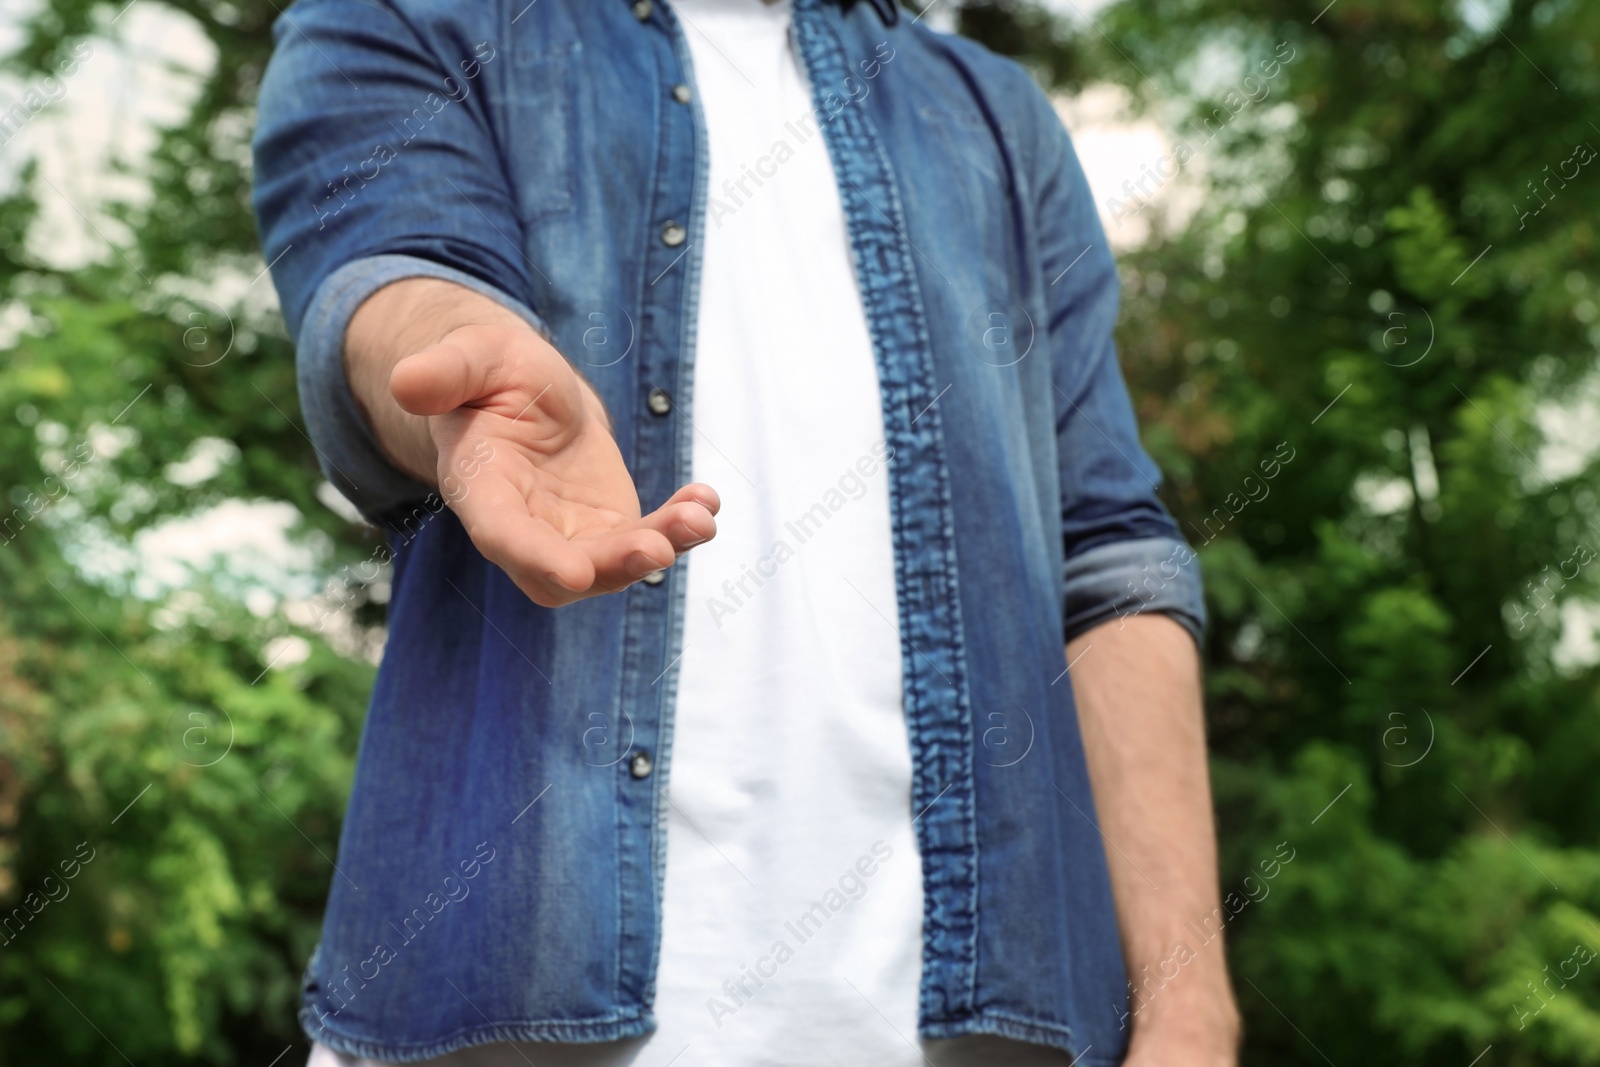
(500, 870)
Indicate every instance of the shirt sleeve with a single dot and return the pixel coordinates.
(1124, 553)
(346, 449)
(375, 160)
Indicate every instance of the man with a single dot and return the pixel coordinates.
(557, 268)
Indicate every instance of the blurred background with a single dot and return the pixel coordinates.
(1362, 312)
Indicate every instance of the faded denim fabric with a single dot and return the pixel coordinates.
(500, 870)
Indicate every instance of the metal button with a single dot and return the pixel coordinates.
(655, 577)
(642, 9)
(659, 401)
(682, 94)
(640, 765)
(673, 235)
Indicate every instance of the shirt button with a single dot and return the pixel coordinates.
(640, 766)
(673, 235)
(659, 401)
(682, 94)
(655, 577)
(642, 9)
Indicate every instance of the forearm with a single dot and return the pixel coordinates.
(1137, 684)
(398, 320)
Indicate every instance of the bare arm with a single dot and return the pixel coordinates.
(463, 395)
(1137, 683)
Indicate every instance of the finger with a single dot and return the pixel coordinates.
(624, 557)
(685, 524)
(698, 491)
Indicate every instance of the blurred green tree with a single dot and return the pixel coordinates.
(1366, 363)
(143, 732)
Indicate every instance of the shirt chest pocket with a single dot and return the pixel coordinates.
(541, 129)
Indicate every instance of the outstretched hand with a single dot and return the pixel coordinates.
(528, 463)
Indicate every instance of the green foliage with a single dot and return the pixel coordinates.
(146, 732)
(1345, 362)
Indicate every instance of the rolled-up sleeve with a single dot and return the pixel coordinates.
(375, 161)
(1123, 550)
(1122, 578)
(348, 453)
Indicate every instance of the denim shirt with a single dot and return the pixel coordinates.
(500, 869)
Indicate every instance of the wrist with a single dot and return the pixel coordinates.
(1200, 1017)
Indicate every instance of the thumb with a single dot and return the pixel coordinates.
(517, 375)
(444, 376)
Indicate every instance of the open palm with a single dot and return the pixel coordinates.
(528, 462)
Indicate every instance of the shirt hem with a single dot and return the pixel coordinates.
(999, 1023)
(613, 1028)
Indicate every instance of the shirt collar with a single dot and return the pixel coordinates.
(888, 10)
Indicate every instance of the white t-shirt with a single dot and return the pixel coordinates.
(792, 911)
(791, 857)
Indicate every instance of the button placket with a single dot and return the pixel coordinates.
(664, 247)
